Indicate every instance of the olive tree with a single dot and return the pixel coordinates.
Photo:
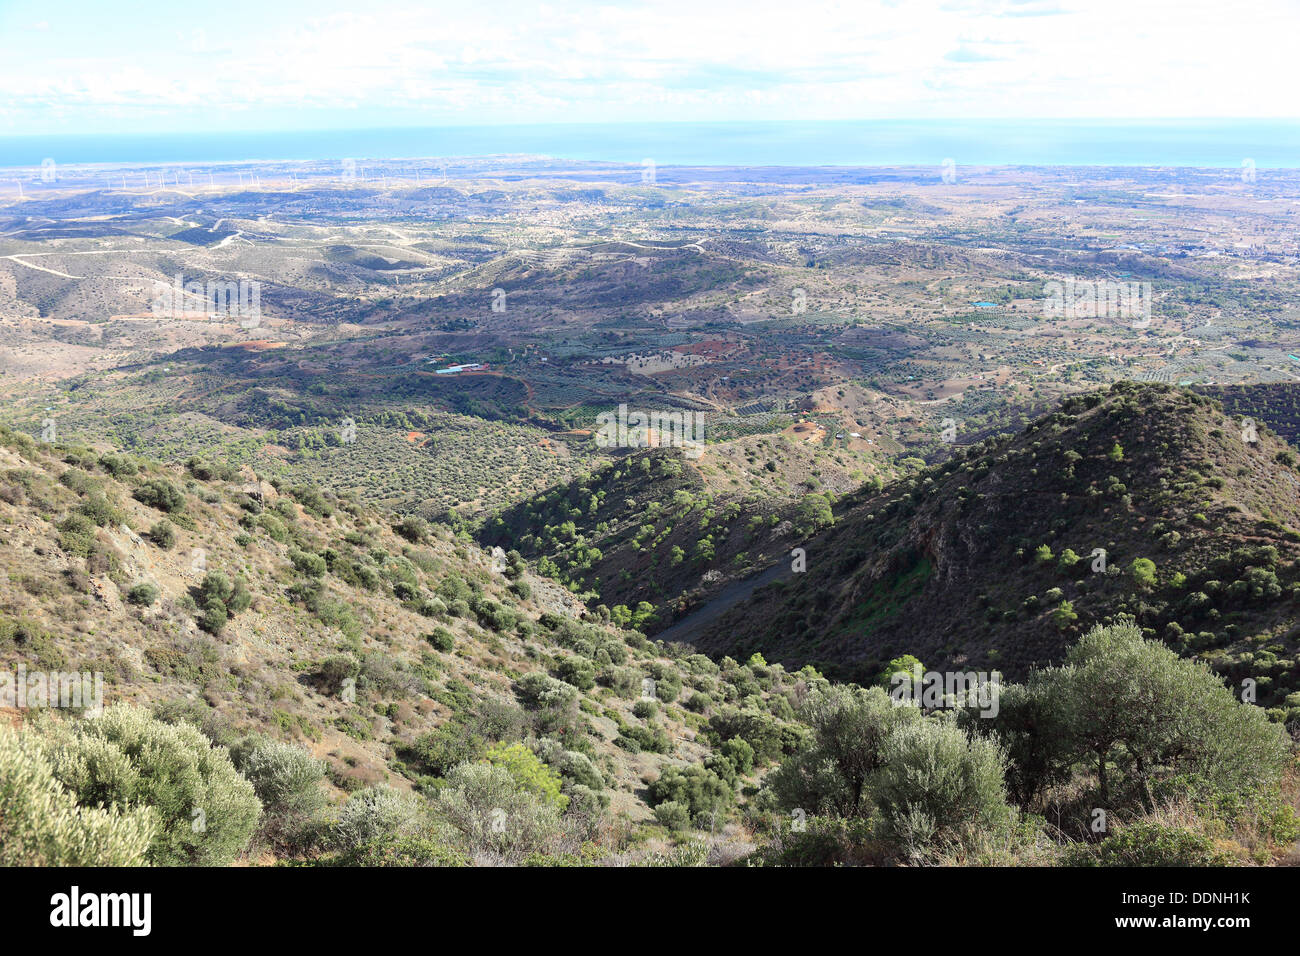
(832, 770)
(1136, 706)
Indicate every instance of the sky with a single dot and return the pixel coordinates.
(90, 67)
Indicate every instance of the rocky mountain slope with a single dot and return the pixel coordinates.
(671, 530)
(391, 651)
(1143, 500)
(341, 685)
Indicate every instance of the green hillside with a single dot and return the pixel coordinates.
(994, 559)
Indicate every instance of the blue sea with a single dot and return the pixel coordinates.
(1186, 143)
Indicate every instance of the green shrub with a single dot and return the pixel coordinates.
(440, 750)
(1032, 729)
(405, 851)
(413, 529)
(578, 671)
(494, 616)
(698, 702)
(578, 770)
(812, 514)
(824, 841)
(163, 535)
(833, 770)
(1148, 843)
(668, 683)
(98, 509)
(529, 772)
(374, 816)
(1063, 615)
(673, 815)
(312, 500)
(33, 641)
(336, 669)
(221, 597)
(287, 780)
(207, 812)
(540, 690)
(938, 783)
(441, 639)
(214, 617)
(77, 534)
(907, 666)
(143, 595)
(696, 788)
(161, 494)
(492, 815)
(1143, 571)
(119, 466)
(274, 528)
(209, 471)
(739, 752)
(312, 565)
(41, 823)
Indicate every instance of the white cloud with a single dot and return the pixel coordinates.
(676, 59)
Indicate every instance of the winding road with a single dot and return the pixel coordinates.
(692, 625)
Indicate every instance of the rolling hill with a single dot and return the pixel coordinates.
(669, 530)
(1142, 500)
(390, 652)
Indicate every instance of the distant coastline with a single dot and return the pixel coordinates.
(1178, 143)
